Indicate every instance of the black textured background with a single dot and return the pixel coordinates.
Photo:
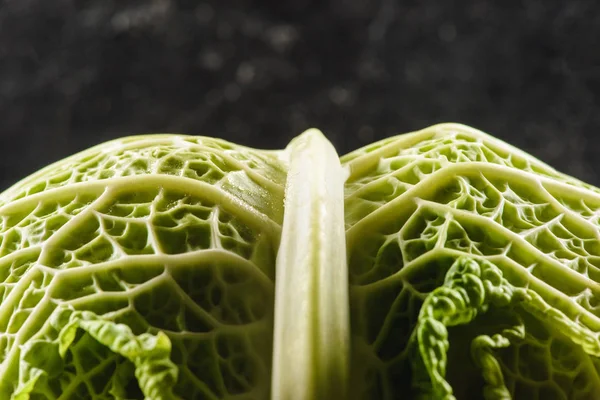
(74, 73)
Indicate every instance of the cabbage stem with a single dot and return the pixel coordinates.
(311, 335)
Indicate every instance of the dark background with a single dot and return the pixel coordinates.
(74, 73)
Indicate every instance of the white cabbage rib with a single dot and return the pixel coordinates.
(311, 337)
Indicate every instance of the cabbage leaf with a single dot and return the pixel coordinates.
(438, 264)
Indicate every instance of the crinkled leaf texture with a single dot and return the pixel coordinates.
(141, 268)
(438, 264)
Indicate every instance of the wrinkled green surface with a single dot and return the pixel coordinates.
(168, 240)
(146, 268)
(519, 319)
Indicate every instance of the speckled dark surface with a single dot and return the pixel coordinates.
(76, 73)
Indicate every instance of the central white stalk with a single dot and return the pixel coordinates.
(312, 333)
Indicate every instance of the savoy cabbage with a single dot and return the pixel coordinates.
(437, 264)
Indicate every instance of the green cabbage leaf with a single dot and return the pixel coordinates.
(437, 264)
